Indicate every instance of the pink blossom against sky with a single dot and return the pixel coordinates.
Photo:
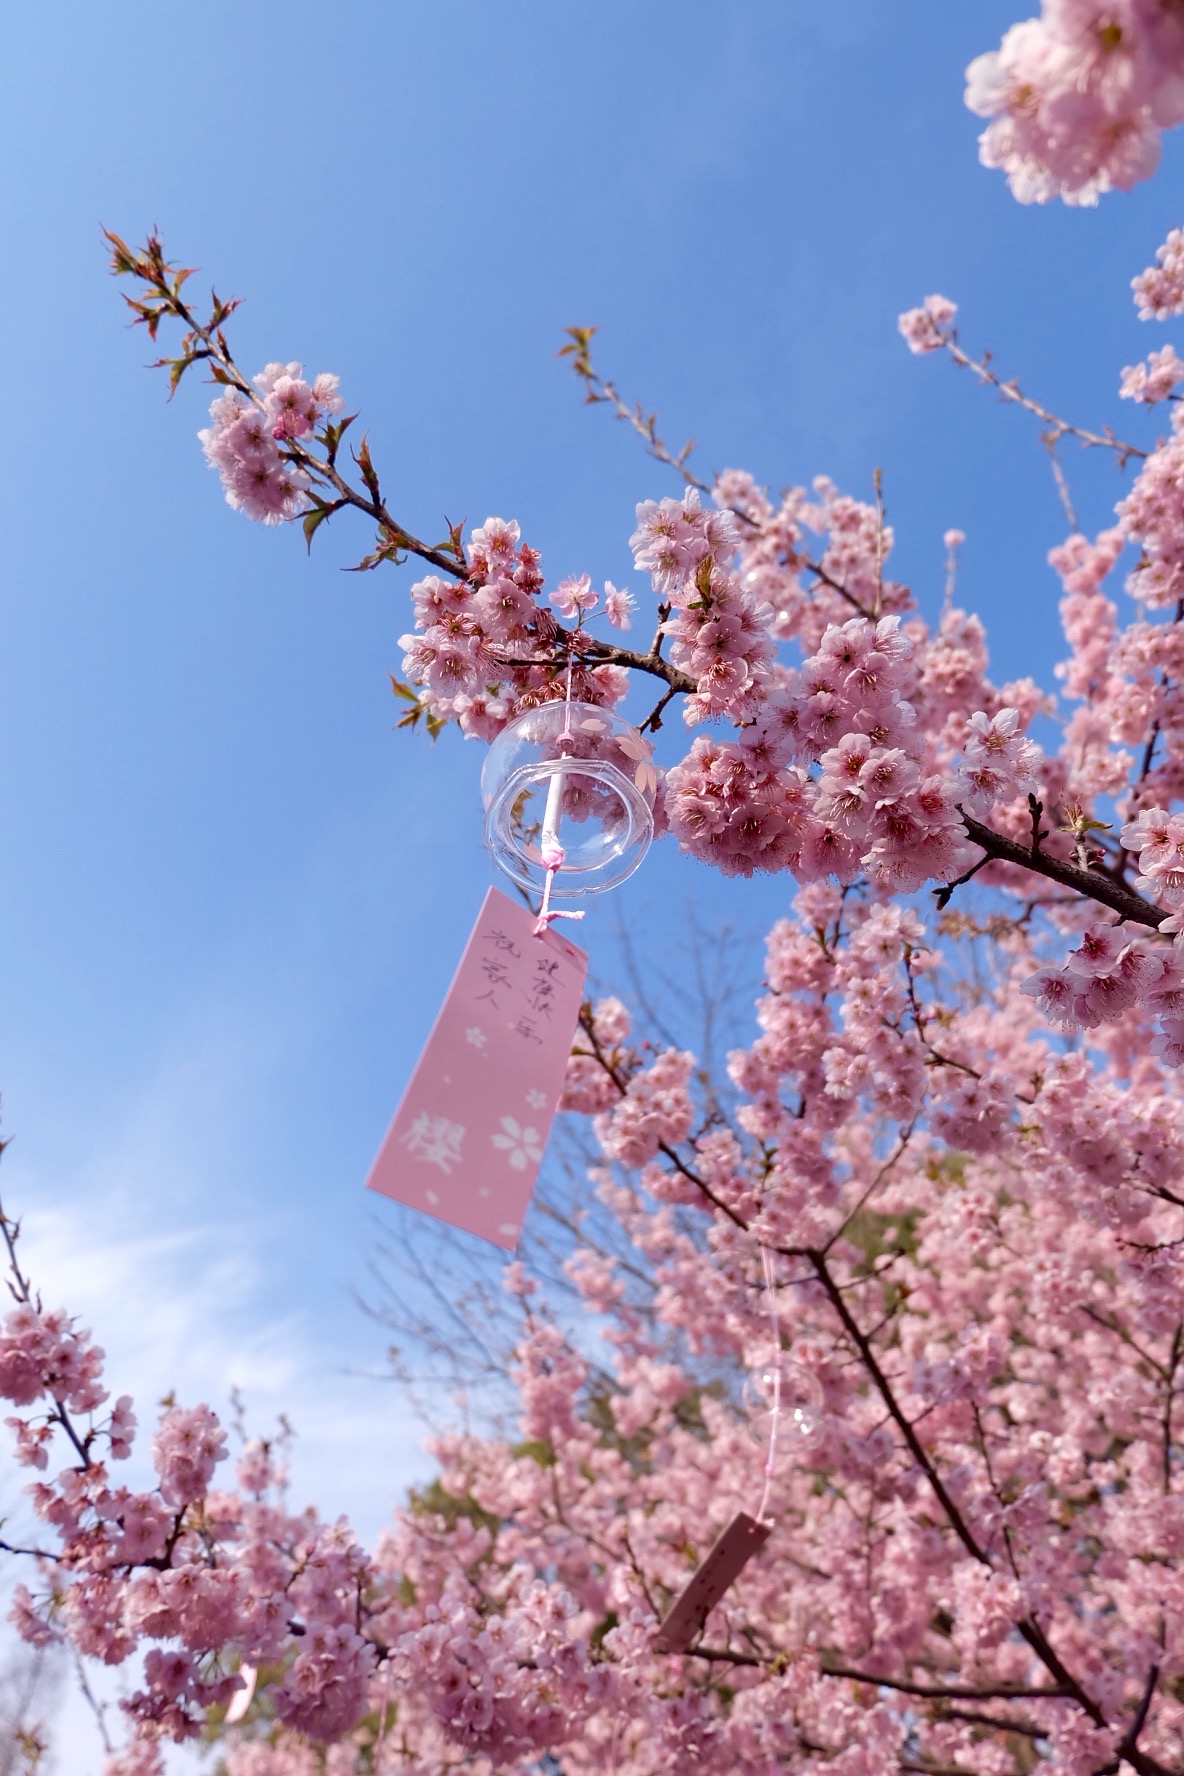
(213, 843)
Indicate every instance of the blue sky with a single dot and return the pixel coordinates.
(230, 896)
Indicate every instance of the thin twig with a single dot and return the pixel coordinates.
(1011, 391)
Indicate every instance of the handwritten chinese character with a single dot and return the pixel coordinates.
(524, 1027)
(500, 941)
(542, 989)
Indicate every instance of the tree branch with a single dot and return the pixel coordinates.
(1124, 901)
(1028, 1627)
(1011, 391)
(950, 1692)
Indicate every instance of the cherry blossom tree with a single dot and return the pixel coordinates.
(907, 1283)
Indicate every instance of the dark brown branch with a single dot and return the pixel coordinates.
(930, 1692)
(610, 654)
(1026, 1728)
(949, 1692)
(33, 1553)
(916, 1448)
(374, 508)
(1028, 1627)
(1169, 1391)
(945, 893)
(1130, 1738)
(599, 389)
(1115, 1325)
(653, 720)
(588, 1025)
(902, 1144)
(1124, 901)
(151, 268)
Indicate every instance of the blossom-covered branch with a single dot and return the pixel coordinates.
(865, 761)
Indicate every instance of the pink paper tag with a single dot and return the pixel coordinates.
(467, 1140)
(732, 1550)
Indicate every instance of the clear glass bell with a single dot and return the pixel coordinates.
(783, 1406)
(570, 779)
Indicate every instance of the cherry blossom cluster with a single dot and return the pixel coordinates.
(483, 646)
(589, 1083)
(925, 329)
(1155, 380)
(181, 1574)
(1078, 98)
(1103, 977)
(1159, 291)
(46, 1355)
(719, 633)
(246, 442)
(659, 1113)
(509, 1686)
(998, 763)
(754, 803)
(1151, 516)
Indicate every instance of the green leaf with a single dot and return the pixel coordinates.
(604, 1626)
(369, 476)
(312, 522)
(333, 436)
(403, 690)
(454, 545)
(538, 1449)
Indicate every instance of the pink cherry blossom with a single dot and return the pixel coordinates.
(1156, 380)
(924, 328)
(619, 606)
(1078, 98)
(1159, 291)
(998, 763)
(571, 597)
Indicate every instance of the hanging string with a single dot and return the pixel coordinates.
(552, 852)
(768, 1263)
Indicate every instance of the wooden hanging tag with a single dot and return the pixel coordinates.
(732, 1550)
